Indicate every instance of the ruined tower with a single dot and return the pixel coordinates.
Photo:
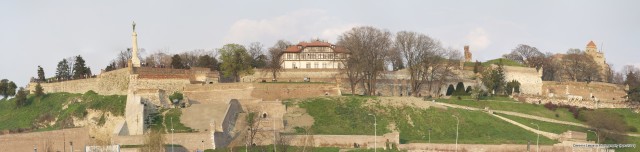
(467, 54)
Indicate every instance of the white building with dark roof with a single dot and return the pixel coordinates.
(314, 55)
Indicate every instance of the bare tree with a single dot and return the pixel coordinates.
(578, 66)
(274, 61)
(158, 59)
(551, 68)
(526, 55)
(422, 54)
(154, 141)
(444, 69)
(369, 48)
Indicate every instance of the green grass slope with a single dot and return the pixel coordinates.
(349, 116)
(50, 107)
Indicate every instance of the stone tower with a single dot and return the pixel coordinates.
(598, 57)
(135, 61)
(467, 54)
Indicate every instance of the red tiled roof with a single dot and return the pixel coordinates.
(300, 46)
(591, 44)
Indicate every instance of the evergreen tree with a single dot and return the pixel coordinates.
(110, 67)
(79, 68)
(62, 72)
(176, 62)
(632, 80)
(494, 79)
(512, 87)
(41, 77)
(21, 97)
(468, 91)
(207, 61)
(477, 67)
(39, 90)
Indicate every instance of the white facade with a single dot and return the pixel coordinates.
(303, 56)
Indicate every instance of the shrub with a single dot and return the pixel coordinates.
(175, 96)
(633, 129)
(551, 106)
(460, 89)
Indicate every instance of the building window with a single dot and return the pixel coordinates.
(316, 65)
(293, 65)
(308, 65)
(324, 65)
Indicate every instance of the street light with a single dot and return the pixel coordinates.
(429, 135)
(457, 124)
(375, 132)
(537, 140)
(171, 134)
(597, 138)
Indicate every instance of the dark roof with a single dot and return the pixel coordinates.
(300, 46)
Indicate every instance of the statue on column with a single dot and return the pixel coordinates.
(134, 26)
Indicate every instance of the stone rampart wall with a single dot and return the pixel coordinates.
(109, 83)
(191, 141)
(273, 91)
(343, 141)
(57, 139)
(483, 148)
(530, 79)
(604, 92)
(168, 85)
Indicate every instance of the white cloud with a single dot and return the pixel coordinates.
(294, 26)
(478, 38)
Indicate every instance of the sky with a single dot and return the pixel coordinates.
(41, 32)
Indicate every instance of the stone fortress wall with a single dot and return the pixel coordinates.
(114, 82)
(604, 92)
(530, 79)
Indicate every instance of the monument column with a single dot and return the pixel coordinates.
(135, 61)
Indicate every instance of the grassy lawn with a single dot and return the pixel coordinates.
(349, 116)
(550, 127)
(506, 104)
(50, 107)
(632, 119)
(172, 119)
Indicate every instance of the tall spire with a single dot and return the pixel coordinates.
(135, 61)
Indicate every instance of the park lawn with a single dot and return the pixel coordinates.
(50, 106)
(506, 104)
(632, 118)
(630, 140)
(550, 127)
(172, 120)
(349, 116)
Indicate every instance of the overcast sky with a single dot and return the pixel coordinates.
(44, 32)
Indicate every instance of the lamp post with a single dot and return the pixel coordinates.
(429, 135)
(538, 139)
(457, 124)
(375, 132)
(35, 148)
(171, 134)
(597, 138)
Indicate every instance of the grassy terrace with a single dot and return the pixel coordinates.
(349, 116)
(550, 127)
(177, 126)
(50, 107)
(506, 104)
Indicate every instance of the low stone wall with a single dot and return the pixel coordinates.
(191, 141)
(343, 141)
(273, 91)
(57, 139)
(484, 148)
(586, 104)
(605, 92)
(168, 85)
(109, 83)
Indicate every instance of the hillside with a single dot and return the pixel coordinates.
(57, 110)
(349, 116)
